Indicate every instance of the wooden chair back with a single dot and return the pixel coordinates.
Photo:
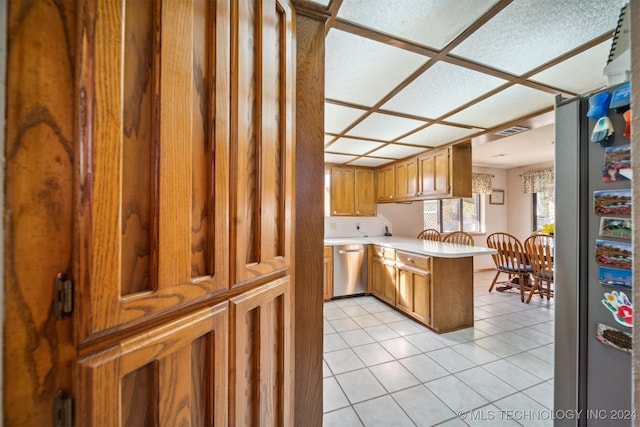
(460, 238)
(510, 256)
(430, 234)
(539, 249)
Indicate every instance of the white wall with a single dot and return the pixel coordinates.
(347, 226)
(519, 204)
(406, 219)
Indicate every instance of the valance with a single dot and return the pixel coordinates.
(540, 181)
(481, 183)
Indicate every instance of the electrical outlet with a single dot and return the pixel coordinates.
(357, 226)
(332, 226)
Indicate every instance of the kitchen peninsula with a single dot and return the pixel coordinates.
(431, 282)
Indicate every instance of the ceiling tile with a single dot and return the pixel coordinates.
(370, 162)
(337, 158)
(362, 71)
(352, 146)
(432, 23)
(384, 127)
(440, 89)
(337, 118)
(436, 135)
(579, 74)
(529, 33)
(396, 151)
(512, 103)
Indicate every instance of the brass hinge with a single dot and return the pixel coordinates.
(63, 296)
(62, 410)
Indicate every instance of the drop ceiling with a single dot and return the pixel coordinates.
(405, 76)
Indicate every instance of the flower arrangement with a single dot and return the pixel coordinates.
(548, 228)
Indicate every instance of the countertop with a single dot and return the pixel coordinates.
(419, 246)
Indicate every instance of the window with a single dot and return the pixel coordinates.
(453, 214)
(543, 210)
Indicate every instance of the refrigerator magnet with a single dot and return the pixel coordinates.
(620, 228)
(617, 163)
(614, 254)
(615, 277)
(612, 202)
(614, 338)
(620, 307)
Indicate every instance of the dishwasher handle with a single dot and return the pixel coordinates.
(347, 251)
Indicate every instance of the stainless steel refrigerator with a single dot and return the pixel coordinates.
(592, 261)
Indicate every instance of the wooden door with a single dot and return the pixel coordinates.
(404, 296)
(441, 172)
(385, 184)
(422, 297)
(149, 160)
(365, 201)
(342, 191)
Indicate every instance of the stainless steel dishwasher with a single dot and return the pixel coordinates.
(349, 270)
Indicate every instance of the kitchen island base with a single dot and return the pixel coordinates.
(437, 292)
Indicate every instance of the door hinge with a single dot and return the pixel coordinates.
(63, 296)
(62, 410)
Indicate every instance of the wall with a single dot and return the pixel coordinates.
(347, 226)
(519, 204)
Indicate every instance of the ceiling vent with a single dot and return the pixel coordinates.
(511, 131)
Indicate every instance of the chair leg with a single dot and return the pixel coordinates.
(521, 285)
(493, 282)
(534, 286)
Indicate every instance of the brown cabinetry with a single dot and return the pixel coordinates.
(445, 173)
(382, 273)
(437, 292)
(328, 273)
(406, 179)
(352, 191)
(385, 184)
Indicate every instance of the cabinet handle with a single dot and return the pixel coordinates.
(411, 260)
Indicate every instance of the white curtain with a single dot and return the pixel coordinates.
(481, 183)
(540, 181)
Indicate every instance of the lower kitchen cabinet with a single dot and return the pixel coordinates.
(437, 292)
(382, 274)
(328, 273)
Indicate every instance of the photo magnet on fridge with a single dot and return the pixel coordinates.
(616, 227)
(615, 277)
(614, 337)
(612, 202)
(614, 254)
(617, 163)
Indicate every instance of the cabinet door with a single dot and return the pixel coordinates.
(328, 273)
(385, 184)
(365, 200)
(422, 297)
(173, 374)
(406, 179)
(389, 280)
(376, 277)
(152, 195)
(404, 296)
(434, 174)
(342, 191)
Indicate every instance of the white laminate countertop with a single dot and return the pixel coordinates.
(419, 246)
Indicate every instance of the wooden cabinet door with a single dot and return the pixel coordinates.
(328, 273)
(441, 172)
(434, 173)
(404, 296)
(422, 297)
(365, 200)
(376, 277)
(173, 374)
(343, 191)
(406, 179)
(385, 184)
(389, 281)
(261, 343)
(261, 132)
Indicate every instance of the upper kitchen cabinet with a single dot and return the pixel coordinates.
(352, 191)
(445, 173)
(385, 188)
(406, 179)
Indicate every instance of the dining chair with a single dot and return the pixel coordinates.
(511, 259)
(459, 237)
(430, 234)
(539, 249)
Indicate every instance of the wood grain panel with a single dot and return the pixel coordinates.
(202, 206)
(104, 252)
(262, 376)
(139, 148)
(38, 206)
(157, 365)
(262, 138)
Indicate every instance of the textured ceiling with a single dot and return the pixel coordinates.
(403, 76)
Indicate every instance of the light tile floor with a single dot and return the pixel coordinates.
(382, 369)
